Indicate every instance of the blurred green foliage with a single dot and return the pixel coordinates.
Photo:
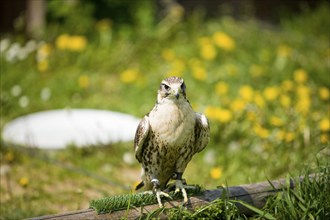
(265, 88)
(125, 14)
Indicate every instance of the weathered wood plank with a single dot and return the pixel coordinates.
(255, 194)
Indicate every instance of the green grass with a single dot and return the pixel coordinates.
(265, 90)
(309, 199)
(218, 209)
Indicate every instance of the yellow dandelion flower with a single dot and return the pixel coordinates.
(83, 81)
(224, 41)
(256, 70)
(129, 76)
(264, 133)
(324, 124)
(324, 93)
(303, 105)
(221, 88)
(300, 75)
(24, 181)
(259, 100)
(199, 73)
(261, 132)
(280, 135)
(216, 173)
(62, 41)
(224, 115)
(303, 91)
(237, 105)
(44, 51)
(168, 54)
(219, 114)
(276, 121)
(284, 51)
(77, 43)
(324, 138)
(287, 85)
(304, 102)
(285, 101)
(208, 52)
(246, 92)
(271, 93)
(43, 65)
(289, 136)
(210, 111)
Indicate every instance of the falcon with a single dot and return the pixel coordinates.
(167, 138)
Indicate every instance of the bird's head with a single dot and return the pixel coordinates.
(172, 88)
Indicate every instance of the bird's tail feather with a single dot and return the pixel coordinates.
(139, 186)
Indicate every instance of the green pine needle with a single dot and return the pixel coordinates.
(120, 202)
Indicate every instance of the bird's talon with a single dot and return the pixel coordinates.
(180, 187)
(159, 194)
(165, 194)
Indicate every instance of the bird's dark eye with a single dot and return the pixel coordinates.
(183, 86)
(166, 87)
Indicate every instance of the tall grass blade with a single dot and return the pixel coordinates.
(260, 212)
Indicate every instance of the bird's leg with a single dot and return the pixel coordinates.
(180, 187)
(158, 192)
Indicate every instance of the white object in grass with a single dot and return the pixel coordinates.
(57, 129)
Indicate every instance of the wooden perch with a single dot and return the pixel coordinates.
(254, 194)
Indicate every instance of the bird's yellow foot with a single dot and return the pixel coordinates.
(180, 187)
(159, 193)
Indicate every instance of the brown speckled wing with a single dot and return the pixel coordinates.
(202, 132)
(141, 135)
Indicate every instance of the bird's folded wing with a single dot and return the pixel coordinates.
(141, 135)
(202, 132)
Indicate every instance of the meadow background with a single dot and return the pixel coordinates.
(263, 86)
